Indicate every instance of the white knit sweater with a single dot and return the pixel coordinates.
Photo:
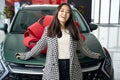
(63, 45)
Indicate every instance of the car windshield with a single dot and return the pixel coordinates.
(28, 16)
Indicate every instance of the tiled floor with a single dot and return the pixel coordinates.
(115, 55)
(109, 37)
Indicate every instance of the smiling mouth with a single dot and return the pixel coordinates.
(62, 17)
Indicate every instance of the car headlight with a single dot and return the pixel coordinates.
(3, 70)
(107, 64)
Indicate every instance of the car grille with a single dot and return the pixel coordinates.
(12, 76)
(95, 75)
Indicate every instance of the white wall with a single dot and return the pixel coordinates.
(2, 3)
(104, 10)
(107, 33)
(2, 35)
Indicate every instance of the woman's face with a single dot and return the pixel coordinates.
(63, 14)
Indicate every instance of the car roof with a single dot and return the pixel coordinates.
(41, 5)
(38, 5)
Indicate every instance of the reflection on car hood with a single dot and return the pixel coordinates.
(14, 44)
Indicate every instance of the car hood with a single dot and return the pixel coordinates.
(14, 43)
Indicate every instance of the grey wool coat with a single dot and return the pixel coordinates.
(51, 70)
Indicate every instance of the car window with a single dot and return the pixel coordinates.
(23, 20)
(80, 23)
(26, 17)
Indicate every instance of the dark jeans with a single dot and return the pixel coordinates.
(64, 69)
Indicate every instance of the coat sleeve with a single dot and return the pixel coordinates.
(41, 44)
(85, 50)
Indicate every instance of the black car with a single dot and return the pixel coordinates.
(15, 69)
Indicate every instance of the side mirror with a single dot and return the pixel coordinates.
(93, 27)
(4, 28)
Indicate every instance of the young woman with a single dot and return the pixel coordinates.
(62, 38)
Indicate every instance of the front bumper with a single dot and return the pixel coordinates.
(96, 75)
(3, 70)
(20, 72)
(30, 72)
(101, 71)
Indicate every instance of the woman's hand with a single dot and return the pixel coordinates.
(21, 56)
(17, 55)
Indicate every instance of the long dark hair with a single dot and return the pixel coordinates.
(54, 29)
